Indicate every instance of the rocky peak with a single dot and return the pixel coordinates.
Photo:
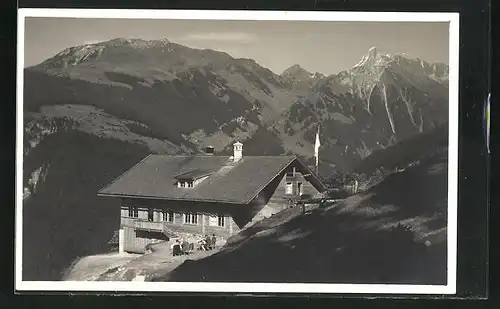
(77, 54)
(137, 43)
(294, 69)
(372, 52)
(296, 72)
(374, 58)
(317, 75)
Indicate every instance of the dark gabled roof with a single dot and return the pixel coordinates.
(230, 182)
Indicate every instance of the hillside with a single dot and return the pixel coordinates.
(62, 217)
(405, 152)
(354, 241)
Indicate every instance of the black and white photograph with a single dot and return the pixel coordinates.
(237, 151)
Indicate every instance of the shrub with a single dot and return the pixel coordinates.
(343, 183)
(339, 179)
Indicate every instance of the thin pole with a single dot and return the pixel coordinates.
(317, 144)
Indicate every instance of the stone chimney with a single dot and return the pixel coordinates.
(238, 151)
(209, 150)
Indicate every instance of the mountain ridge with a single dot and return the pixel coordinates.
(266, 100)
(143, 43)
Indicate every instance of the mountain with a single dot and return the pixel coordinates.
(159, 84)
(381, 100)
(300, 79)
(161, 97)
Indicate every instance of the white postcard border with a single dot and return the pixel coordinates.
(450, 288)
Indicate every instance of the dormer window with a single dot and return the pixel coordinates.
(185, 184)
(191, 178)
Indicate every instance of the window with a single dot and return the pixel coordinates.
(184, 184)
(133, 211)
(191, 218)
(212, 220)
(299, 188)
(288, 188)
(151, 213)
(168, 216)
(217, 220)
(220, 220)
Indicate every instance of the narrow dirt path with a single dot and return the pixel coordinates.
(149, 266)
(90, 268)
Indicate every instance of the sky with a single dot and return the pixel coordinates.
(326, 47)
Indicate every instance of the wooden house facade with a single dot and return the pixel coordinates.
(165, 197)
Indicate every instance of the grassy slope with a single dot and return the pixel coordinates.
(344, 243)
(405, 152)
(165, 106)
(65, 219)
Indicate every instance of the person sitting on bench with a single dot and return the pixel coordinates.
(203, 245)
